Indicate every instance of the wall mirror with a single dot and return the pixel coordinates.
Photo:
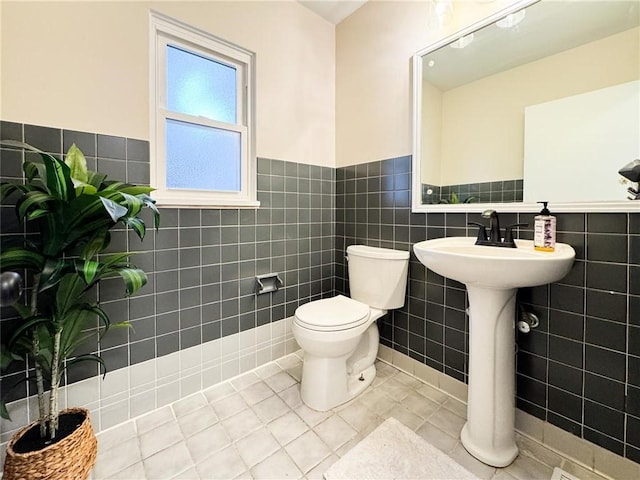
(540, 101)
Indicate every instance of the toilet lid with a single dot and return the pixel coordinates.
(336, 313)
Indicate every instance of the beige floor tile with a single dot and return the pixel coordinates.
(437, 437)
(277, 466)
(268, 370)
(291, 396)
(229, 406)
(154, 419)
(135, 471)
(167, 463)
(317, 473)
(257, 446)
(335, 432)
(225, 464)
(405, 416)
(280, 381)
(117, 458)
(159, 438)
(256, 426)
(207, 442)
(432, 393)
(219, 392)
(456, 406)
(420, 405)
(527, 468)
(307, 451)
(244, 381)
(376, 400)
(447, 421)
(475, 466)
(191, 474)
(197, 420)
(311, 417)
(241, 424)
(395, 389)
(287, 427)
(189, 404)
(270, 409)
(256, 393)
(359, 416)
(116, 435)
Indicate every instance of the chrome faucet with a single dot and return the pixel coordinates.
(494, 237)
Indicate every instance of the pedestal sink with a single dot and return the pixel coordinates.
(492, 276)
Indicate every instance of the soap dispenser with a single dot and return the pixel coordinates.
(544, 233)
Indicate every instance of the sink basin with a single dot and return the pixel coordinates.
(494, 267)
(492, 276)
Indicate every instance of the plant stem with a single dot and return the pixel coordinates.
(55, 383)
(42, 418)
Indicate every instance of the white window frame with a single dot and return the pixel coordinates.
(165, 31)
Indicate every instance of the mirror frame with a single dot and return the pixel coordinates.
(416, 202)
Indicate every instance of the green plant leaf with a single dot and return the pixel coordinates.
(77, 164)
(52, 272)
(19, 257)
(134, 279)
(31, 199)
(25, 328)
(137, 224)
(89, 270)
(89, 357)
(58, 181)
(98, 242)
(4, 413)
(115, 210)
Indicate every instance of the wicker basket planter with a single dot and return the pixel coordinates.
(72, 457)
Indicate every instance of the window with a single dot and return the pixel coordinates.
(201, 142)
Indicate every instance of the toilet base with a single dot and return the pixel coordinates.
(331, 381)
(323, 399)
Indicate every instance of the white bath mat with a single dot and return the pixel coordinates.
(393, 451)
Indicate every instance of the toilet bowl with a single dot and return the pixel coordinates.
(339, 335)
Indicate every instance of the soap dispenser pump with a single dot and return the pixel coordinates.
(544, 234)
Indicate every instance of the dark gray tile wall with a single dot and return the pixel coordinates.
(580, 369)
(201, 264)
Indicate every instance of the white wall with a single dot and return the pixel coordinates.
(83, 65)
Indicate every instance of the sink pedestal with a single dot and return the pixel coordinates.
(489, 432)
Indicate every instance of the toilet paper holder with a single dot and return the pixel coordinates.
(269, 282)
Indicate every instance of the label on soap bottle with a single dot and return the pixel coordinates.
(544, 235)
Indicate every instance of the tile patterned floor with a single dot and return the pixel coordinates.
(256, 426)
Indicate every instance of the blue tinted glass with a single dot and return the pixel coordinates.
(199, 86)
(202, 158)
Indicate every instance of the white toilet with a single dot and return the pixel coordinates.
(340, 336)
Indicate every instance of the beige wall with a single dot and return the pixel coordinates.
(84, 65)
(374, 47)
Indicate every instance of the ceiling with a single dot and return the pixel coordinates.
(333, 10)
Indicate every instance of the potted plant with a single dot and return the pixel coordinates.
(69, 212)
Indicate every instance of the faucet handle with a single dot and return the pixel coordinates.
(508, 233)
(482, 232)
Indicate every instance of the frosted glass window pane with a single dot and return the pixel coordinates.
(200, 86)
(202, 158)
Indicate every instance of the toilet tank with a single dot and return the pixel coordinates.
(378, 276)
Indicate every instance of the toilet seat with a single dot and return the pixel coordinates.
(331, 314)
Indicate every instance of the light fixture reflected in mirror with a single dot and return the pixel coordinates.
(463, 41)
(512, 19)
